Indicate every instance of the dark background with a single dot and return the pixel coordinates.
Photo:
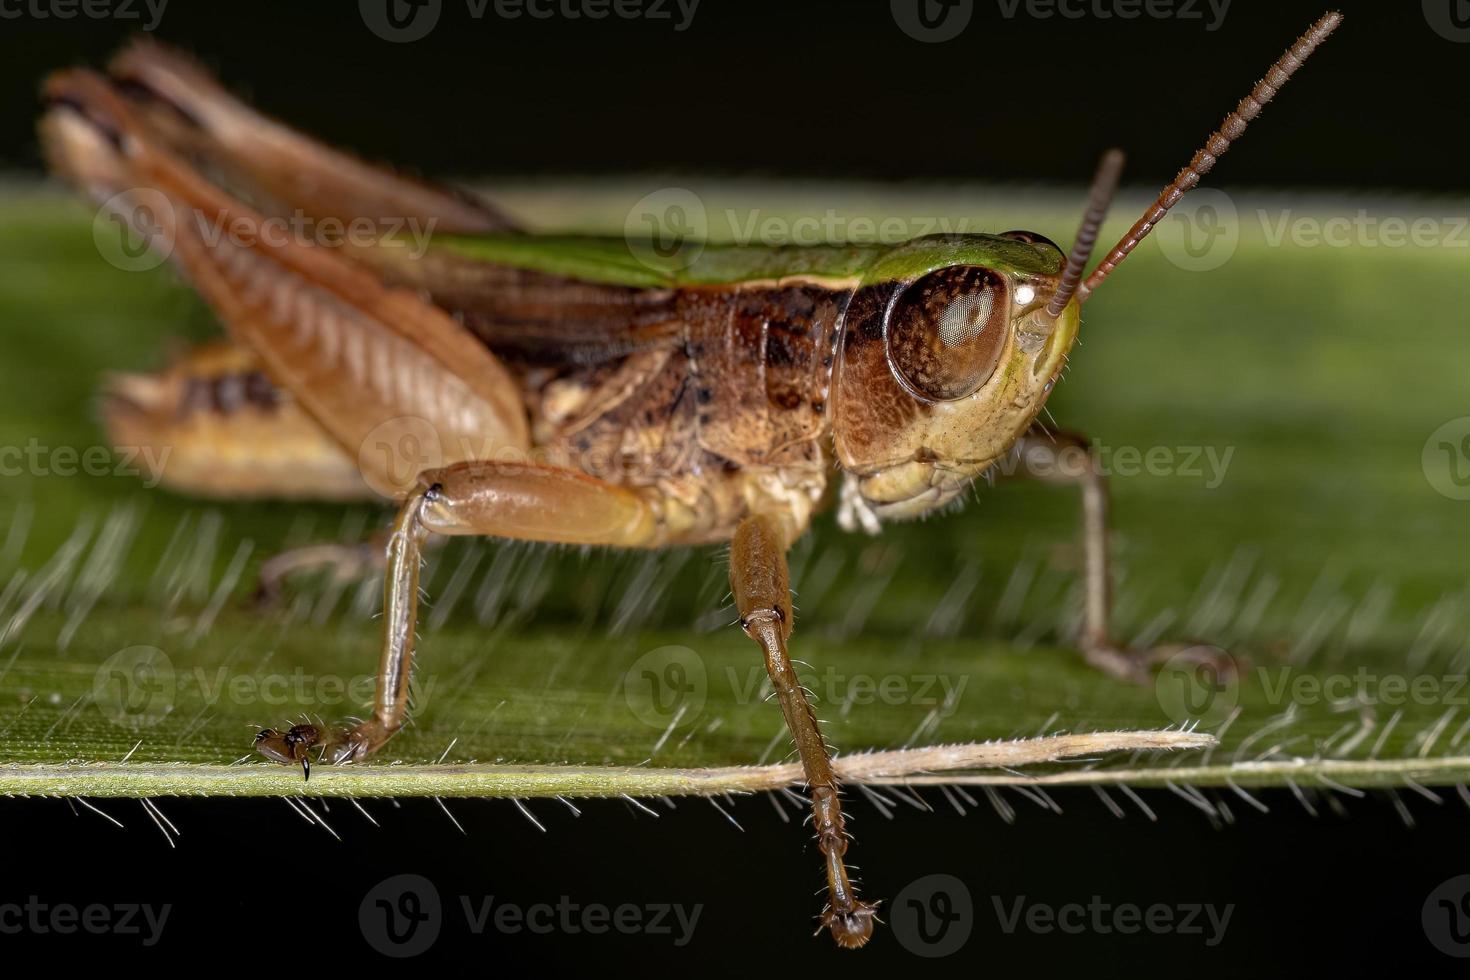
(782, 87)
(807, 89)
(253, 886)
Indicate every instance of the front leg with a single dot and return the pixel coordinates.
(761, 586)
(1067, 458)
(530, 503)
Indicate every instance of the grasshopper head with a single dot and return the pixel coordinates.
(951, 345)
(948, 352)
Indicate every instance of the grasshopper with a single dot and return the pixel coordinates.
(575, 390)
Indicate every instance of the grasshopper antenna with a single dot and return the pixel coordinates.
(1219, 141)
(1104, 185)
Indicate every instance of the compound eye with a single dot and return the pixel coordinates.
(946, 332)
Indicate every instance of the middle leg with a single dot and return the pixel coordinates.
(1067, 458)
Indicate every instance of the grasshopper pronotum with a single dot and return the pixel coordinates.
(575, 395)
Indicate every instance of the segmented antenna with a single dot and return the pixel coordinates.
(1104, 185)
(1219, 141)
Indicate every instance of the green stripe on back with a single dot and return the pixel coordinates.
(614, 261)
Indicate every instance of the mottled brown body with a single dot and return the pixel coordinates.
(719, 406)
(726, 413)
(715, 397)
